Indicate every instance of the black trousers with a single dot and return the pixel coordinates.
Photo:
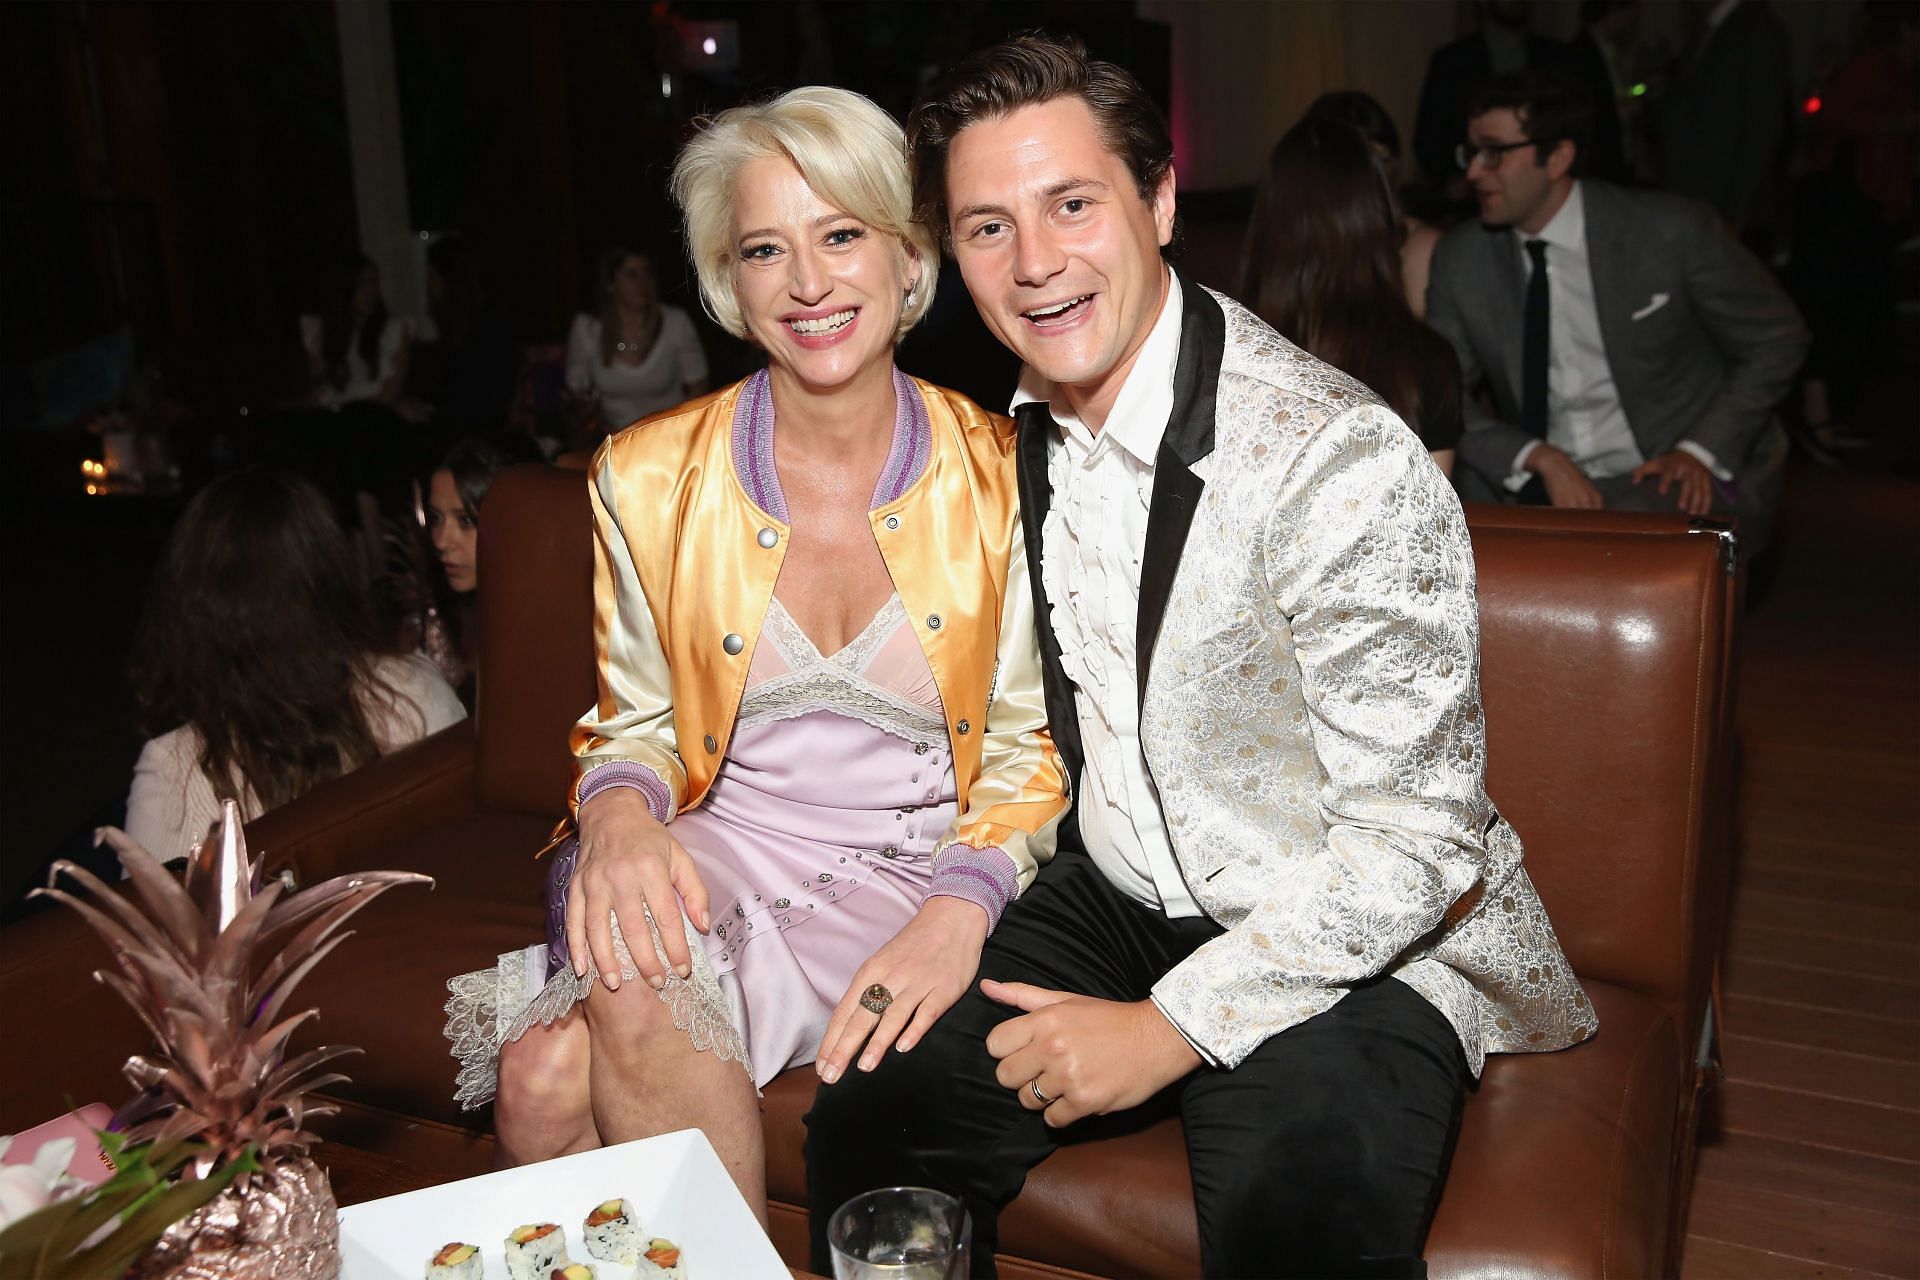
(1321, 1154)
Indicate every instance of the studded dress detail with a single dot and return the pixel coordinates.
(815, 843)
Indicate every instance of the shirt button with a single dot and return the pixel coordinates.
(933, 622)
(711, 745)
(893, 522)
(769, 539)
(733, 644)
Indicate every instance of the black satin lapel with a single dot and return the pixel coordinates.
(1189, 438)
(1196, 376)
(1036, 496)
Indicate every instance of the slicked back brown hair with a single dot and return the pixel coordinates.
(1025, 72)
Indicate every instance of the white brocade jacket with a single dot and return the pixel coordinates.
(1310, 709)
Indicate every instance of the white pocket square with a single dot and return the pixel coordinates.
(1654, 303)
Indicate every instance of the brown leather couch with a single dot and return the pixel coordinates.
(1606, 652)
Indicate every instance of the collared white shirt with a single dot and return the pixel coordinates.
(1091, 547)
(1585, 419)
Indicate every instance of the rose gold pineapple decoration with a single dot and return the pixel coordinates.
(209, 966)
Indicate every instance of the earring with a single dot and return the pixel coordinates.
(911, 290)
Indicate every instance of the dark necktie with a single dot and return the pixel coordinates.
(1534, 351)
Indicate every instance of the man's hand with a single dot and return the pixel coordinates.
(1566, 484)
(1089, 1057)
(926, 967)
(629, 861)
(1686, 472)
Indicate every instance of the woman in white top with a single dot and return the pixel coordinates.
(635, 356)
(356, 351)
(258, 664)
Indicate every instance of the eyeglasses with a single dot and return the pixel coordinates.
(1489, 154)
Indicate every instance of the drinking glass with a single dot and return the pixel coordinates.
(901, 1233)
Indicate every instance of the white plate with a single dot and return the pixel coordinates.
(678, 1187)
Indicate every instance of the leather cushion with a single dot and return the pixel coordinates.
(1560, 1168)
(1584, 631)
(536, 636)
(385, 987)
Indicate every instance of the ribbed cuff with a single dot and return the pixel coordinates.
(624, 773)
(984, 877)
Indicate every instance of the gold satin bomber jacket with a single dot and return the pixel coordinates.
(684, 568)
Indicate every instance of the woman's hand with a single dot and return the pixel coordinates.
(629, 860)
(927, 966)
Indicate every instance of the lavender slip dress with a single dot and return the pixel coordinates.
(815, 842)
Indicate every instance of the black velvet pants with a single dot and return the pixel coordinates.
(1321, 1154)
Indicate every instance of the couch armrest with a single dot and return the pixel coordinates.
(320, 834)
(67, 1035)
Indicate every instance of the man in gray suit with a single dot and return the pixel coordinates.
(1633, 351)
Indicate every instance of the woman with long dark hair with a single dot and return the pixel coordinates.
(1364, 112)
(357, 351)
(1321, 264)
(441, 608)
(258, 663)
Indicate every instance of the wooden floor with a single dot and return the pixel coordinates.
(1812, 1163)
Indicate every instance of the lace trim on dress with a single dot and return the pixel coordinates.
(488, 1008)
(835, 683)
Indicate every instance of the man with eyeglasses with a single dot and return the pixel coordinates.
(1632, 350)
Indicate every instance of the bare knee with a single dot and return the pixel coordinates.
(544, 1079)
(627, 1025)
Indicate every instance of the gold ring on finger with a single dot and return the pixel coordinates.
(875, 999)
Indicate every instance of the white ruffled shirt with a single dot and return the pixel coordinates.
(1092, 542)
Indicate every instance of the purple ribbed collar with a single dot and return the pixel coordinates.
(753, 445)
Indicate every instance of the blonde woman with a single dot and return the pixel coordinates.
(819, 765)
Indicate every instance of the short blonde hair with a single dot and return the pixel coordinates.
(851, 153)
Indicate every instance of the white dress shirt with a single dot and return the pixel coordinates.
(1585, 419)
(1092, 542)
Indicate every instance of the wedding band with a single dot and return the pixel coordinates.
(1033, 1087)
(875, 999)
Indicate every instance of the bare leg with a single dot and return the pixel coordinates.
(649, 1079)
(543, 1108)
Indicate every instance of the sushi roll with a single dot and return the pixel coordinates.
(612, 1233)
(456, 1261)
(572, 1271)
(536, 1250)
(662, 1259)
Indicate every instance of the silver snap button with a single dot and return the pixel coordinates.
(733, 644)
(893, 522)
(933, 622)
(965, 726)
(711, 745)
(768, 539)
